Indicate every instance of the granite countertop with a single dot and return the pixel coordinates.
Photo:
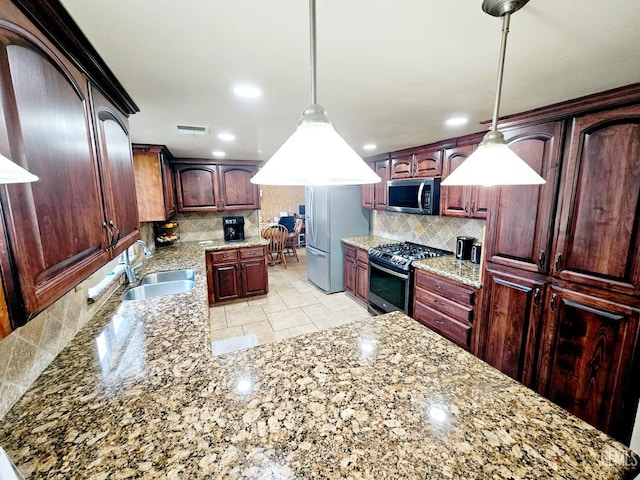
(220, 244)
(462, 271)
(137, 393)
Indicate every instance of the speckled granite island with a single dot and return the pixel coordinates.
(137, 393)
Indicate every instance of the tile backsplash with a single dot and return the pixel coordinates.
(432, 230)
(196, 226)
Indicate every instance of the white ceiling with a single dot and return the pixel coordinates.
(389, 72)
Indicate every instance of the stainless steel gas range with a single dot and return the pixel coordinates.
(390, 274)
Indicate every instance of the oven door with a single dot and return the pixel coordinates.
(388, 289)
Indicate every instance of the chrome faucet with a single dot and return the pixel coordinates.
(129, 270)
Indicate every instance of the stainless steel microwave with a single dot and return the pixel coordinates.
(417, 195)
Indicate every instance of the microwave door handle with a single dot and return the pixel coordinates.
(420, 195)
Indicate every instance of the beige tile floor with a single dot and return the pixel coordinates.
(293, 306)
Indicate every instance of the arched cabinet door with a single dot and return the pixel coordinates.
(238, 193)
(118, 181)
(55, 225)
(197, 188)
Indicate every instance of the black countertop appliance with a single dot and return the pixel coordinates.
(233, 228)
(463, 247)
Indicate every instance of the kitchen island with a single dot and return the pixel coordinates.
(138, 393)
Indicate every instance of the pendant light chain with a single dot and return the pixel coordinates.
(503, 48)
(312, 31)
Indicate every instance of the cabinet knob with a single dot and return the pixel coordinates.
(473, 207)
(558, 261)
(541, 256)
(117, 239)
(104, 224)
(536, 297)
(553, 302)
(466, 206)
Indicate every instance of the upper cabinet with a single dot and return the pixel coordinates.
(81, 212)
(522, 217)
(598, 231)
(155, 185)
(374, 195)
(417, 162)
(209, 187)
(462, 201)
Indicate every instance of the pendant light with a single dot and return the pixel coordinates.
(11, 172)
(493, 162)
(315, 154)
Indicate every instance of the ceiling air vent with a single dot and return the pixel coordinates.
(192, 129)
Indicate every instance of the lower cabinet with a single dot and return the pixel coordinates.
(236, 273)
(356, 272)
(587, 363)
(511, 322)
(445, 307)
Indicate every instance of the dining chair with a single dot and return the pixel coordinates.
(277, 236)
(292, 240)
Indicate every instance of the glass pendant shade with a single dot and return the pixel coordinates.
(493, 163)
(11, 172)
(315, 155)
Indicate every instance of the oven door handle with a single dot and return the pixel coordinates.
(386, 270)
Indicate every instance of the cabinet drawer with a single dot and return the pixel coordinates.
(349, 251)
(446, 289)
(224, 255)
(453, 309)
(457, 332)
(362, 255)
(254, 252)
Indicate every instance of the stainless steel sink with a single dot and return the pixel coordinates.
(169, 276)
(152, 290)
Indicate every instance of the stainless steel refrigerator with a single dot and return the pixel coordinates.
(331, 214)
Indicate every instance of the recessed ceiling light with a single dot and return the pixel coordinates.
(218, 153)
(457, 121)
(227, 137)
(370, 146)
(247, 91)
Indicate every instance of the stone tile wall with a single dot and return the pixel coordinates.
(208, 226)
(432, 230)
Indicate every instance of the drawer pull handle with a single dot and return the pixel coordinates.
(439, 322)
(541, 258)
(536, 297)
(438, 302)
(553, 302)
(558, 260)
(440, 287)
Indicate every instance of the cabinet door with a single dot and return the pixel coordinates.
(510, 324)
(587, 359)
(226, 281)
(401, 166)
(427, 163)
(350, 269)
(237, 192)
(455, 201)
(598, 239)
(368, 192)
(254, 277)
(116, 163)
(55, 225)
(362, 276)
(168, 186)
(197, 188)
(519, 227)
(380, 195)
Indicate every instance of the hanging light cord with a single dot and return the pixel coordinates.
(503, 47)
(312, 30)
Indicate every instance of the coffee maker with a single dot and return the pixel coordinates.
(233, 228)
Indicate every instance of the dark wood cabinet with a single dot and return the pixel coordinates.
(374, 195)
(417, 162)
(445, 307)
(116, 166)
(207, 187)
(236, 273)
(598, 240)
(155, 184)
(522, 217)
(356, 272)
(462, 200)
(81, 212)
(588, 350)
(513, 306)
